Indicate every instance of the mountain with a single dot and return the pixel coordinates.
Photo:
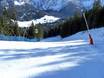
(45, 19)
(34, 9)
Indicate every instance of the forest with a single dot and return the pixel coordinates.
(64, 28)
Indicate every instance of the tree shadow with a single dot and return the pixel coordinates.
(12, 54)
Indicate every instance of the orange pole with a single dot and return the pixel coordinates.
(91, 40)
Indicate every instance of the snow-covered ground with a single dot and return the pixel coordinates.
(45, 19)
(71, 57)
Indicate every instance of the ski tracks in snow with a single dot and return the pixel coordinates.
(58, 56)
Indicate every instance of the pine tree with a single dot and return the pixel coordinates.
(31, 31)
(97, 5)
(4, 21)
(16, 29)
(93, 14)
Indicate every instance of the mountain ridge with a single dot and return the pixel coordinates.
(34, 9)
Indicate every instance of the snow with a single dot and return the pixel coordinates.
(55, 5)
(19, 3)
(15, 38)
(45, 19)
(52, 39)
(71, 57)
(88, 4)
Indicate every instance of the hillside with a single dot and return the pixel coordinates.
(71, 57)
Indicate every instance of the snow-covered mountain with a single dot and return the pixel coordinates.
(33, 9)
(55, 5)
(45, 19)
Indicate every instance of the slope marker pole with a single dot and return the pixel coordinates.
(91, 41)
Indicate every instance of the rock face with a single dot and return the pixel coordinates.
(33, 9)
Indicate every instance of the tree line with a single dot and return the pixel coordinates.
(76, 23)
(95, 18)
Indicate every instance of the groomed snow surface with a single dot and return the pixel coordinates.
(71, 57)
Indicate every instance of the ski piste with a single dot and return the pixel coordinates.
(69, 57)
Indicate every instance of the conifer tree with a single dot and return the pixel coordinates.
(31, 31)
(16, 29)
(4, 21)
(97, 5)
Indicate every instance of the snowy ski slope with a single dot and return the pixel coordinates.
(71, 57)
